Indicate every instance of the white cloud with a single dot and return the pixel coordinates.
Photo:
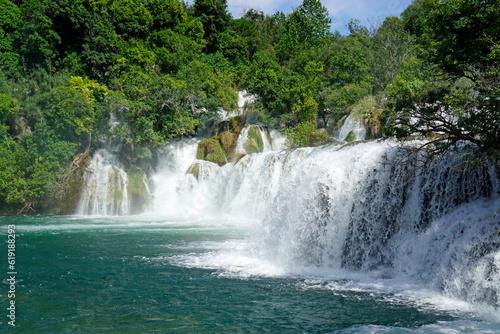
(364, 10)
(238, 7)
(341, 11)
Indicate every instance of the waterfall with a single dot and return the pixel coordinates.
(172, 186)
(364, 207)
(105, 187)
(111, 189)
(265, 138)
(368, 207)
(186, 186)
(244, 99)
(351, 130)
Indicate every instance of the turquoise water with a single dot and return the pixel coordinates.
(145, 275)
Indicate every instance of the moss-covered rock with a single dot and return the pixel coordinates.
(235, 157)
(269, 137)
(228, 141)
(136, 183)
(351, 136)
(194, 169)
(318, 138)
(234, 124)
(373, 127)
(254, 143)
(137, 191)
(117, 195)
(211, 150)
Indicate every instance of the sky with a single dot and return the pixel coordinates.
(341, 11)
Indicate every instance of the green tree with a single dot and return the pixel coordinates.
(215, 19)
(460, 41)
(39, 40)
(28, 167)
(10, 21)
(308, 24)
(8, 107)
(313, 20)
(392, 46)
(73, 110)
(131, 18)
(415, 17)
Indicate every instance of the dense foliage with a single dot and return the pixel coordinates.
(158, 67)
(452, 92)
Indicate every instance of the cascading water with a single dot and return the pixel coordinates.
(366, 207)
(105, 187)
(171, 194)
(362, 207)
(265, 137)
(351, 130)
(244, 99)
(210, 189)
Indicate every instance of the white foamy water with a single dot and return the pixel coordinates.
(363, 215)
(351, 124)
(171, 181)
(234, 189)
(105, 187)
(265, 134)
(244, 99)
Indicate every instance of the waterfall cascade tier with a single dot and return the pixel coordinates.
(352, 129)
(244, 99)
(109, 189)
(365, 206)
(270, 140)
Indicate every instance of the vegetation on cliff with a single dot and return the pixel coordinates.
(158, 67)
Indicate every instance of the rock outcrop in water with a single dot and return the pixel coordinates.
(231, 146)
(211, 150)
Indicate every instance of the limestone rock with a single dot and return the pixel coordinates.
(211, 150)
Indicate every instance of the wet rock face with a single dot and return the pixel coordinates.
(374, 128)
(234, 124)
(65, 194)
